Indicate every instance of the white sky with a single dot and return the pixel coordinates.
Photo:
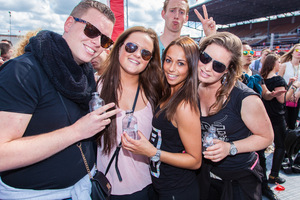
(29, 15)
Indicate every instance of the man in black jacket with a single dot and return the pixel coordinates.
(44, 109)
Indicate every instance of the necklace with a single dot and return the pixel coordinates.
(296, 70)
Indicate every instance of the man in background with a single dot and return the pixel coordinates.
(6, 51)
(98, 63)
(175, 13)
(257, 64)
(46, 127)
(6, 41)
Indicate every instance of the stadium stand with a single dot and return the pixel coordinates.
(285, 30)
(279, 19)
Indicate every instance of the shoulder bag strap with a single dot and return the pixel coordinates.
(79, 143)
(117, 151)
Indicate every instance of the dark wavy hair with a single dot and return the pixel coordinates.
(232, 44)
(150, 81)
(188, 91)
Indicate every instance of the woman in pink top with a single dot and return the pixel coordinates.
(133, 62)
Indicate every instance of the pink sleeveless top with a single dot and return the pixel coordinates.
(134, 169)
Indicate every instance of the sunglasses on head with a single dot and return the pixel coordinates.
(91, 31)
(216, 65)
(248, 52)
(131, 48)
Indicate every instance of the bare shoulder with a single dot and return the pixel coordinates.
(185, 114)
(251, 101)
(186, 108)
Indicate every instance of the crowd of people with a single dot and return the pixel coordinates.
(176, 88)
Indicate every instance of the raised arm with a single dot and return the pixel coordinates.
(208, 24)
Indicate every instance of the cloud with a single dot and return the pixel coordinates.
(33, 14)
(146, 13)
(63, 7)
(18, 5)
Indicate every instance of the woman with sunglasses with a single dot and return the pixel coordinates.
(240, 120)
(175, 143)
(290, 68)
(276, 111)
(132, 70)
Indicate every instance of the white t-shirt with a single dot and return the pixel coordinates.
(290, 72)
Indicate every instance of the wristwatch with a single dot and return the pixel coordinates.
(233, 150)
(156, 157)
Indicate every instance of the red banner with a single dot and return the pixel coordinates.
(117, 6)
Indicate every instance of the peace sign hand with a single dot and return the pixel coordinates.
(209, 25)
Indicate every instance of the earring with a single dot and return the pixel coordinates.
(224, 80)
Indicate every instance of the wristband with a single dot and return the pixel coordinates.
(294, 88)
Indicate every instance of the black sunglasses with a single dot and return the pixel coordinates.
(131, 47)
(91, 31)
(217, 66)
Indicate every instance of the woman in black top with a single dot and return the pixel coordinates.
(276, 111)
(238, 115)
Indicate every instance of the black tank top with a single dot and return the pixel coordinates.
(167, 178)
(230, 127)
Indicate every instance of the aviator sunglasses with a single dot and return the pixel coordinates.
(248, 52)
(216, 65)
(131, 48)
(91, 31)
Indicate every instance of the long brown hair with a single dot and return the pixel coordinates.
(234, 45)
(188, 91)
(150, 81)
(268, 65)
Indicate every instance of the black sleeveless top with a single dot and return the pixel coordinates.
(230, 127)
(275, 109)
(167, 178)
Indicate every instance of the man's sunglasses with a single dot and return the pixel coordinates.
(91, 31)
(216, 65)
(248, 52)
(131, 48)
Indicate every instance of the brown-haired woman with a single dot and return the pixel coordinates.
(239, 117)
(134, 62)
